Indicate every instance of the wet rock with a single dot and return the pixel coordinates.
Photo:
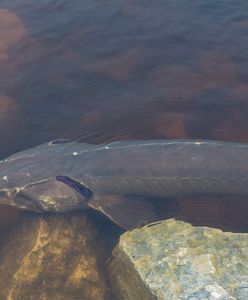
(52, 257)
(174, 260)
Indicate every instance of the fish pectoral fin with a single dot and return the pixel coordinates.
(131, 211)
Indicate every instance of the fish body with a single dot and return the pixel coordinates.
(61, 175)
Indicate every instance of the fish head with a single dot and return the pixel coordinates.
(32, 180)
(55, 194)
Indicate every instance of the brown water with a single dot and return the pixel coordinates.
(100, 71)
(97, 71)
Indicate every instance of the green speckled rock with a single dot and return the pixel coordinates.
(174, 260)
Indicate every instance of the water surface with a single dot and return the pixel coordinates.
(97, 71)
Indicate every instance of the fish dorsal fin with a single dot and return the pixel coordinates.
(131, 211)
(115, 143)
(60, 141)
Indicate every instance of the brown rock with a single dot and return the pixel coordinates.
(181, 82)
(8, 109)
(52, 257)
(233, 128)
(118, 67)
(171, 125)
(11, 32)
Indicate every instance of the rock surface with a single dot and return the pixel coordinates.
(52, 257)
(9, 217)
(174, 260)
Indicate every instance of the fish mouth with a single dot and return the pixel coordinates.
(3, 194)
(15, 197)
(6, 197)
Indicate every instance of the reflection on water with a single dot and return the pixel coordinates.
(99, 71)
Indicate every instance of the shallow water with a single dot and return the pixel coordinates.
(98, 71)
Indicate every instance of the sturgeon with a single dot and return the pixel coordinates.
(127, 181)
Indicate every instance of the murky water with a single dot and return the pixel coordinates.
(107, 70)
(100, 71)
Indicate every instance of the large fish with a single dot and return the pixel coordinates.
(126, 181)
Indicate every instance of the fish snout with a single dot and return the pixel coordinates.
(7, 196)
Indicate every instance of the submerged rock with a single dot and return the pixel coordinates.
(52, 257)
(174, 260)
(9, 217)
